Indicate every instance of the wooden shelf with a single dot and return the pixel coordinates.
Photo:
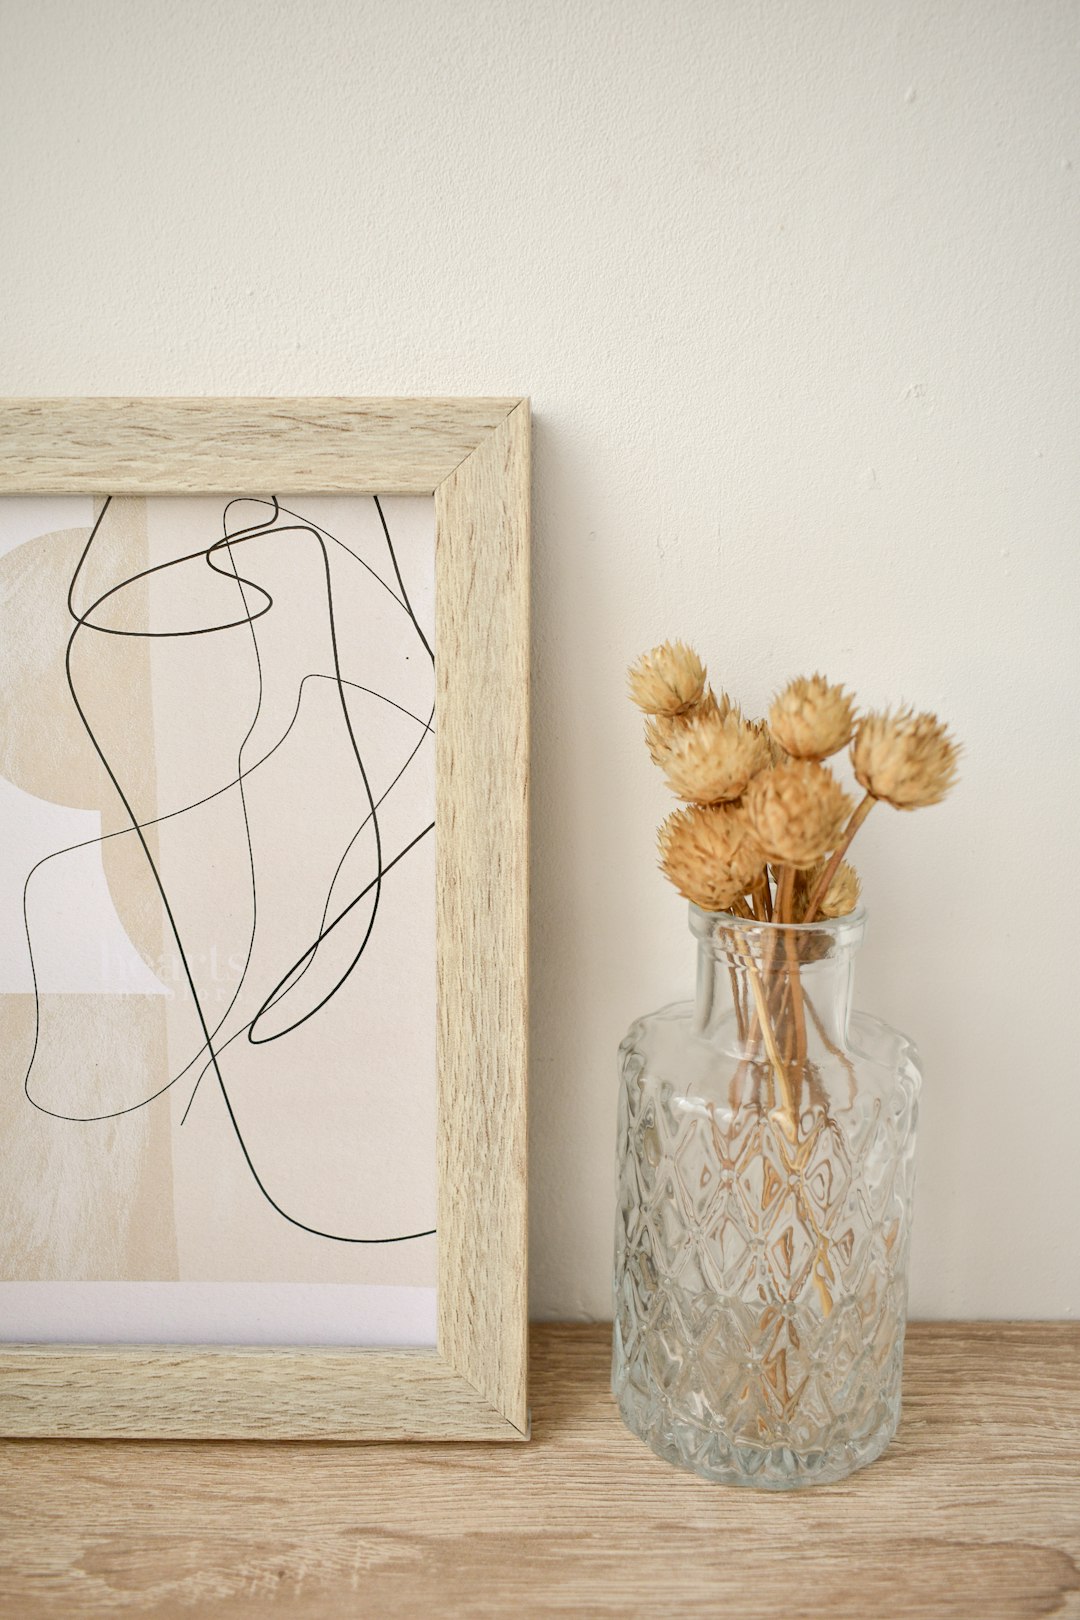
(973, 1513)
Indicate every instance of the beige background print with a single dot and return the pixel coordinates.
(237, 744)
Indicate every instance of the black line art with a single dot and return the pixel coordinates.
(225, 557)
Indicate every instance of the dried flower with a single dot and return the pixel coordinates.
(668, 680)
(811, 719)
(710, 855)
(777, 755)
(797, 812)
(659, 730)
(662, 729)
(907, 759)
(712, 757)
(840, 898)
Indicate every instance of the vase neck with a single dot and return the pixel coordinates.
(801, 975)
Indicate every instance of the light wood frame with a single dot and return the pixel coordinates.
(474, 456)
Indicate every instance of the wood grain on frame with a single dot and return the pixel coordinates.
(222, 446)
(211, 1392)
(481, 901)
(473, 454)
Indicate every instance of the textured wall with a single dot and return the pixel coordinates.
(794, 290)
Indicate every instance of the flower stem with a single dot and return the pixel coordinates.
(821, 887)
(762, 1026)
(736, 996)
(785, 894)
(795, 982)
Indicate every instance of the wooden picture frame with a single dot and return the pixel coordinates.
(474, 456)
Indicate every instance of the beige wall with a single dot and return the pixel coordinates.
(793, 288)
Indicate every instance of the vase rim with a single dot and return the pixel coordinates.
(703, 923)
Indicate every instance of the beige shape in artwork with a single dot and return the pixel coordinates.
(84, 1199)
(85, 1202)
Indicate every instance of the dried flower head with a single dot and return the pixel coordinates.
(710, 855)
(907, 759)
(712, 756)
(797, 812)
(662, 729)
(777, 755)
(811, 719)
(659, 730)
(840, 898)
(668, 680)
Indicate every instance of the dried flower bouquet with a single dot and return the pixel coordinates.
(767, 1138)
(764, 829)
(761, 803)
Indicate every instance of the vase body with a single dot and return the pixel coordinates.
(765, 1171)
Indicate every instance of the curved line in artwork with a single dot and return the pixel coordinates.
(401, 582)
(156, 821)
(86, 620)
(355, 555)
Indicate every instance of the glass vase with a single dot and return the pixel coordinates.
(765, 1166)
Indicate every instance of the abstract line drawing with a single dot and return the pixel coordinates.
(280, 831)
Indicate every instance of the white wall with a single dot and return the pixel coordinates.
(794, 290)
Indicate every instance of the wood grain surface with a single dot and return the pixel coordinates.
(208, 1392)
(109, 446)
(972, 1514)
(474, 454)
(482, 913)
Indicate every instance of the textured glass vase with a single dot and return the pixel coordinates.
(765, 1167)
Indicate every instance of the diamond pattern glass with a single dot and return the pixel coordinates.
(764, 1212)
